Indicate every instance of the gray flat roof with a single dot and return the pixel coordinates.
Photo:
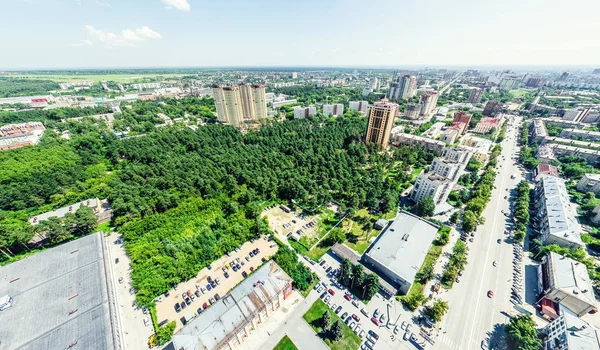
(403, 245)
(560, 216)
(39, 317)
(237, 308)
(580, 334)
(572, 278)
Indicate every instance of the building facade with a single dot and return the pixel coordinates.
(235, 104)
(428, 102)
(580, 134)
(334, 109)
(475, 95)
(569, 332)
(412, 110)
(431, 185)
(359, 106)
(589, 183)
(486, 125)
(414, 140)
(492, 108)
(304, 112)
(446, 168)
(381, 121)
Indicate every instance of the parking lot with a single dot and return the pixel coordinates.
(394, 323)
(283, 223)
(202, 292)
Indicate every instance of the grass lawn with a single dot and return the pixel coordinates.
(317, 252)
(359, 230)
(518, 93)
(285, 344)
(105, 227)
(434, 253)
(349, 341)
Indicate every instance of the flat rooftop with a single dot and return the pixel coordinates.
(44, 294)
(572, 278)
(560, 216)
(580, 334)
(403, 245)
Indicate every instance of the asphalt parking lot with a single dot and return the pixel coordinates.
(165, 306)
(393, 313)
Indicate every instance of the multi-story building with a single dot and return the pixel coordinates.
(366, 92)
(228, 322)
(590, 155)
(431, 185)
(236, 104)
(435, 146)
(393, 91)
(464, 118)
(544, 170)
(446, 168)
(428, 102)
(589, 183)
(486, 125)
(412, 111)
(304, 112)
(475, 95)
(555, 219)
(492, 108)
(566, 282)
(333, 109)
(408, 87)
(569, 332)
(450, 135)
(373, 83)
(580, 134)
(537, 131)
(457, 154)
(20, 135)
(381, 121)
(576, 114)
(359, 106)
(479, 147)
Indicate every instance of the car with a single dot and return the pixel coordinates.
(347, 297)
(320, 289)
(331, 291)
(198, 294)
(403, 325)
(327, 298)
(177, 307)
(364, 312)
(499, 241)
(352, 325)
(203, 290)
(322, 262)
(251, 268)
(256, 251)
(323, 295)
(209, 267)
(188, 301)
(204, 306)
(344, 315)
(244, 274)
(356, 318)
(183, 320)
(193, 297)
(248, 258)
(199, 310)
(211, 301)
(167, 294)
(355, 303)
(316, 287)
(357, 329)
(362, 334)
(183, 305)
(374, 320)
(218, 280)
(328, 269)
(120, 279)
(224, 268)
(208, 287)
(251, 254)
(264, 259)
(226, 275)
(413, 337)
(339, 308)
(374, 335)
(396, 328)
(406, 335)
(234, 268)
(217, 297)
(116, 260)
(490, 294)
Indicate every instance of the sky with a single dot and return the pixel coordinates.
(327, 33)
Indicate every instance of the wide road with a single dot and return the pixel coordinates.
(472, 314)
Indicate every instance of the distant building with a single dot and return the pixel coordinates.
(236, 104)
(457, 154)
(450, 136)
(492, 108)
(304, 112)
(464, 118)
(373, 83)
(555, 219)
(431, 185)
(381, 121)
(359, 106)
(412, 110)
(589, 183)
(414, 140)
(475, 95)
(399, 251)
(428, 102)
(226, 323)
(580, 134)
(576, 114)
(544, 169)
(294, 75)
(537, 131)
(99, 207)
(566, 282)
(333, 109)
(366, 92)
(146, 86)
(404, 88)
(479, 147)
(570, 332)
(20, 135)
(486, 125)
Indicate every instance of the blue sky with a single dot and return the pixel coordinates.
(393, 33)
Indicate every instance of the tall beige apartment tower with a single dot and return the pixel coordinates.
(381, 121)
(229, 105)
(259, 101)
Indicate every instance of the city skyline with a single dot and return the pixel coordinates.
(181, 33)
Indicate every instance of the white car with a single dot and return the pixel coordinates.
(352, 325)
(357, 329)
(362, 334)
(404, 324)
(396, 329)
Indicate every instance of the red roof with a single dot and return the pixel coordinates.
(546, 169)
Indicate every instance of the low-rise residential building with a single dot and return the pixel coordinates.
(414, 140)
(304, 112)
(225, 324)
(479, 147)
(564, 123)
(333, 109)
(20, 135)
(461, 121)
(581, 134)
(449, 136)
(434, 131)
(545, 154)
(399, 251)
(554, 217)
(431, 185)
(100, 208)
(589, 183)
(359, 106)
(486, 125)
(566, 282)
(447, 168)
(537, 131)
(582, 115)
(590, 155)
(569, 332)
(544, 169)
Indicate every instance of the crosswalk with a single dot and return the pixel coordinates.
(444, 342)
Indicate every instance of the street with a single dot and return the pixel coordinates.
(472, 313)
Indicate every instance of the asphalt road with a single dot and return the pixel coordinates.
(472, 313)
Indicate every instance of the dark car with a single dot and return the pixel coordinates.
(199, 310)
(337, 311)
(208, 287)
(234, 268)
(177, 307)
(344, 315)
(374, 335)
(244, 274)
(256, 251)
(183, 321)
(217, 297)
(197, 292)
(188, 301)
(226, 275)
(209, 267)
(209, 279)
(356, 318)
(251, 254)
(264, 259)
(116, 260)
(166, 294)
(183, 305)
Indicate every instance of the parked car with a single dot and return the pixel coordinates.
(177, 307)
(331, 291)
(208, 287)
(217, 297)
(226, 275)
(211, 301)
(204, 306)
(344, 315)
(183, 305)
(339, 308)
(244, 274)
(199, 310)
(374, 335)
(347, 297)
(374, 320)
(356, 318)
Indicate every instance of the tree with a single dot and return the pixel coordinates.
(337, 331)
(358, 275)
(436, 311)
(336, 236)
(425, 206)
(425, 275)
(413, 301)
(345, 271)
(469, 221)
(371, 286)
(454, 217)
(522, 334)
(325, 320)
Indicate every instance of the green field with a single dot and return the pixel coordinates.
(349, 341)
(285, 344)
(122, 78)
(518, 93)
(359, 230)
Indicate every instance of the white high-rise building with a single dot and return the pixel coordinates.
(236, 104)
(334, 109)
(304, 112)
(446, 168)
(359, 106)
(433, 185)
(373, 83)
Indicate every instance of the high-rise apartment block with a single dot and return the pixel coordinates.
(475, 95)
(404, 88)
(431, 185)
(373, 83)
(381, 121)
(412, 111)
(359, 106)
(304, 112)
(428, 102)
(236, 104)
(334, 109)
(492, 108)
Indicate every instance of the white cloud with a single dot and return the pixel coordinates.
(85, 42)
(127, 37)
(181, 5)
